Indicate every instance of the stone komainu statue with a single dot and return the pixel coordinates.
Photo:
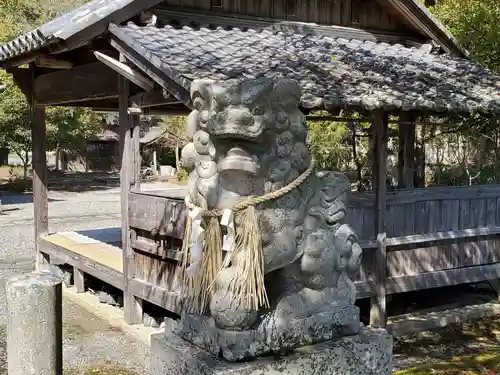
(249, 140)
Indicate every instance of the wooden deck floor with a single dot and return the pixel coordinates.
(96, 252)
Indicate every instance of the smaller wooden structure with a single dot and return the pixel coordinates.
(372, 57)
(161, 140)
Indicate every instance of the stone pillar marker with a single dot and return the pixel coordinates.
(34, 324)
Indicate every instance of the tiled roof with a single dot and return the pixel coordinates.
(66, 25)
(332, 72)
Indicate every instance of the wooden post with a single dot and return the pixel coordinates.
(406, 154)
(177, 158)
(79, 280)
(378, 314)
(129, 177)
(155, 163)
(39, 160)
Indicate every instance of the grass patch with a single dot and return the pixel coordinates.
(471, 348)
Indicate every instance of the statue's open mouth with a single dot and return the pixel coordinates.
(238, 159)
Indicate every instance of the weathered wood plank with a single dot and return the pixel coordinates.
(85, 82)
(156, 250)
(491, 208)
(157, 295)
(420, 260)
(106, 274)
(443, 236)
(378, 314)
(163, 216)
(78, 278)
(128, 178)
(418, 239)
(367, 199)
(164, 273)
(431, 280)
(152, 98)
(378, 310)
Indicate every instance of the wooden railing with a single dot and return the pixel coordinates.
(449, 253)
(483, 264)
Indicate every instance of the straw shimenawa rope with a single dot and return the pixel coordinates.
(247, 288)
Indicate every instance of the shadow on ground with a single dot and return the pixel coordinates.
(11, 199)
(471, 348)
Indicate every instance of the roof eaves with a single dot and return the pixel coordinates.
(168, 78)
(27, 42)
(72, 23)
(420, 16)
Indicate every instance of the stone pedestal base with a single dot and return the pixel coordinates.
(368, 353)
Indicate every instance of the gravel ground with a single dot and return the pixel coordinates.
(88, 341)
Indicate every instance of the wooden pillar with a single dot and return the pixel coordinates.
(129, 177)
(378, 314)
(406, 154)
(39, 160)
(177, 158)
(155, 162)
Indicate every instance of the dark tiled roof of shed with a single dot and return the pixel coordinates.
(332, 71)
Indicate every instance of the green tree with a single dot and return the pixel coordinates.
(67, 129)
(15, 121)
(475, 23)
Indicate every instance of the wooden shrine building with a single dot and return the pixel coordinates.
(375, 57)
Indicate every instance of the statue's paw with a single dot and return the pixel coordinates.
(289, 308)
(229, 317)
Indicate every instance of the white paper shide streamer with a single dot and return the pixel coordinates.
(197, 238)
(228, 240)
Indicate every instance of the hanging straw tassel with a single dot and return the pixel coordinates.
(199, 288)
(211, 263)
(248, 287)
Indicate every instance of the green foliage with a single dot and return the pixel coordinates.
(327, 144)
(475, 24)
(175, 124)
(15, 122)
(69, 128)
(182, 175)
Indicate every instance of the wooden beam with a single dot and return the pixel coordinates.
(431, 280)
(378, 313)
(128, 177)
(157, 295)
(419, 17)
(52, 63)
(93, 81)
(23, 78)
(153, 98)
(131, 74)
(84, 264)
(180, 92)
